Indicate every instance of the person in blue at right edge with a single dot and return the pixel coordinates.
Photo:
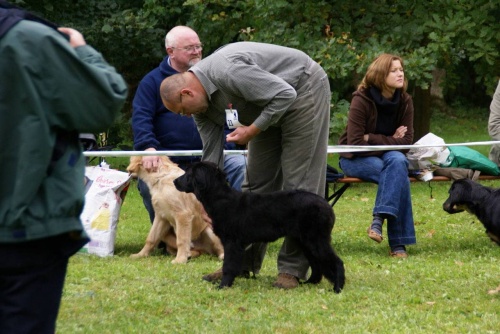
(381, 113)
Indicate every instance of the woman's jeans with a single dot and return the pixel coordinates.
(390, 172)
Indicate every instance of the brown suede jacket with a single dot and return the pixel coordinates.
(362, 119)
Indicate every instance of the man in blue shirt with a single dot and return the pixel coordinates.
(157, 128)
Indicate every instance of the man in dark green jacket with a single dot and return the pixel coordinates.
(52, 87)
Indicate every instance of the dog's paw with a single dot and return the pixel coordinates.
(221, 257)
(494, 291)
(174, 261)
(195, 253)
(337, 289)
(137, 256)
(223, 286)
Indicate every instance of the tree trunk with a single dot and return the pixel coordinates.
(422, 112)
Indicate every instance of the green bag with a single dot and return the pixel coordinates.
(464, 157)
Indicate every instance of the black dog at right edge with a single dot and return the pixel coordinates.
(240, 219)
(483, 202)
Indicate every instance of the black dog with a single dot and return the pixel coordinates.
(240, 219)
(484, 202)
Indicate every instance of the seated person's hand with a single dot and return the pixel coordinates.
(400, 132)
(151, 162)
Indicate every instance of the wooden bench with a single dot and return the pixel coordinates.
(347, 181)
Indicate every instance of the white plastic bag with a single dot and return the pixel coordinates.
(426, 157)
(105, 192)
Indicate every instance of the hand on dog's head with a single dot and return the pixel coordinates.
(136, 164)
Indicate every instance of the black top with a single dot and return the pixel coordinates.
(386, 110)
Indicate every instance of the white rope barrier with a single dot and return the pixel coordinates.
(147, 153)
(331, 149)
(367, 148)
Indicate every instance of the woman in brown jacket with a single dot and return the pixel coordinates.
(381, 113)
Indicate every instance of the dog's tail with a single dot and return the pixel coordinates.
(334, 270)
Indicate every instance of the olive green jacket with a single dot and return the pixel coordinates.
(49, 93)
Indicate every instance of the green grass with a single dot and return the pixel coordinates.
(441, 288)
(462, 127)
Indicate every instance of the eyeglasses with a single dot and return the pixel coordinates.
(190, 48)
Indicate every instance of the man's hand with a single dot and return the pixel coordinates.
(400, 132)
(75, 37)
(206, 218)
(151, 162)
(243, 134)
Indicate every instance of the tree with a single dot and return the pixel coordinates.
(460, 37)
(345, 36)
(129, 33)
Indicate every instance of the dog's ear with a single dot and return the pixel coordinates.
(166, 160)
(215, 171)
(221, 174)
(206, 175)
(186, 182)
(465, 192)
(201, 176)
(461, 187)
(133, 166)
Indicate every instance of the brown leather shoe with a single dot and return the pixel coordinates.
(286, 281)
(374, 235)
(402, 255)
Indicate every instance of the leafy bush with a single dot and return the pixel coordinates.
(343, 36)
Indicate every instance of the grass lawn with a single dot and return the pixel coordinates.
(441, 288)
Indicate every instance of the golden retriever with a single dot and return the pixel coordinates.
(178, 216)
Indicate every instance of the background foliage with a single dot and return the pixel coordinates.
(461, 37)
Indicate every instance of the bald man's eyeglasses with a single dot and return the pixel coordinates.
(190, 48)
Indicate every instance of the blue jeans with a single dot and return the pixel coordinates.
(390, 172)
(234, 166)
